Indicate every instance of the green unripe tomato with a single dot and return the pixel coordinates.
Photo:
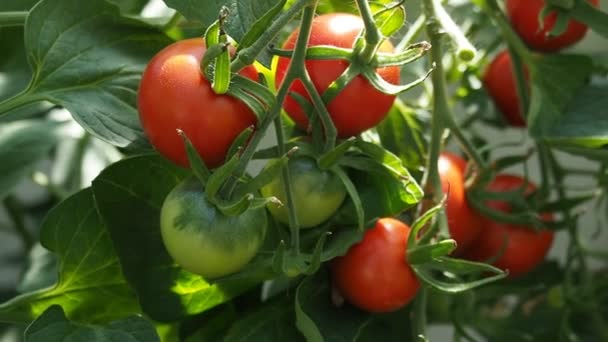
(317, 193)
(201, 239)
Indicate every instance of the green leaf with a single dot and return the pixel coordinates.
(53, 326)
(91, 287)
(129, 195)
(595, 18)
(318, 319)
(90, 62)
(243, 14)
(457, 267)
(555, 80)
(272, 321)
(22, 145)
(260, 25)
(585, 121)
(17, 5)
(389, 19)
(402, 132)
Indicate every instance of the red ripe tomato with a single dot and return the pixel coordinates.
(174, 94)
(523, 15)
(499, 80)
(522, 247)
(374, 274)
(461, 218)
(359, 106)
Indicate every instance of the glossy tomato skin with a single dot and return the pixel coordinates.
(359, 106)
(374, 275)
(461, 218)
(524, 248)
(203, 240)
(174, 94)
(499, 81)
(317, 193)
(523, 15)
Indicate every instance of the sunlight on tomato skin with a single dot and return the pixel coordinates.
(523, 15)
(174, 94)
(317, 193)
(359, 106)
(524, 248)
(499, 81)
(374, 274)
(461, 218)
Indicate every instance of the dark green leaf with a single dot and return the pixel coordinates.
(90, 61)
(584, 122)
(555, 80)
(261, 25)
(130, 6)
(129, 195)
(14, 71)
(53, 326)
(273, 321)
(318, 319)
(594, 17)
(402, 132)
(88, 267)
(22, 145)
(243, 14)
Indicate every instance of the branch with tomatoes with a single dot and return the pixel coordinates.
(306, 169)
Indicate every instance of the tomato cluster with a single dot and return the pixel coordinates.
(374, 274)
(514, 248)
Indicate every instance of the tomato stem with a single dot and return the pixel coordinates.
(13, 18)
(248, 55)
(419, 315)
(411, 34)
(373, 36)
(20, 100)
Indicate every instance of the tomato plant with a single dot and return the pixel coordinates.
(142, 158)
(174, 94)
(374, 274)
(524, 16)
(515, 248)
(205, 241)
(359, 106)
(317, 193)
(499, 81)
(461, 218)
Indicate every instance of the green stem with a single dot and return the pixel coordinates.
(521, 84)
(419, 316)
(19, 100)
(16, 18)
(294, 71)
(373, 36)
(491, 8)
(248, 55)
(464, 49)
(294, 225)
(16, 214)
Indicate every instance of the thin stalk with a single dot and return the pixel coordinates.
(373, 36)
(16, 214)
(248, 55)
(14, 18)
(295, 69)
(419, 316)
(17, 101)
